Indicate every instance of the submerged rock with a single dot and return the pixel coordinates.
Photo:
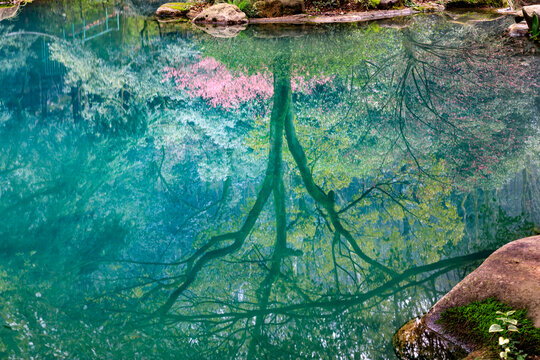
(473, 17)
(511, 275)
(518, 30)
(221, 14)
(416, 341)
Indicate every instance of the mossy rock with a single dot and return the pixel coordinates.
(512, 276)
(472, 322)
(174, 10)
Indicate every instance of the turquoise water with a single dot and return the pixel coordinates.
(289, 193)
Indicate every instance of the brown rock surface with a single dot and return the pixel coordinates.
(387, 4)
(276, 8)
(529, 11)
(292, 7)
(221, 14)
(268, 8)
(511, 274)
(519, 29)
(8, 12)
(518, 4)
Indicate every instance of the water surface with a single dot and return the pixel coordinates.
(289, 193)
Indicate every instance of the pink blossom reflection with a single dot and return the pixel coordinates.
(211, 81)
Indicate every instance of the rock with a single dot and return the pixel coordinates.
(221, 14)
(7, 12)
(387, 4)
(222, 31)
(518, 4)
(461, 4)
(276, 8)
(519, 29)
(511, 274)
(268, 8)
(473, 17)
(415, 341)
(291, 7)
(528, 12)
(334, 19)
(174, 10)
(481, 354)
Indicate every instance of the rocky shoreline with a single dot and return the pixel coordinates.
(293, 12)
(327, 19)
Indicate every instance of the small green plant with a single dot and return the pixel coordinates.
(242, 4)
(535, 28)
(506, 327)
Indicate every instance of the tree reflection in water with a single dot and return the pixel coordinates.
(141, 231)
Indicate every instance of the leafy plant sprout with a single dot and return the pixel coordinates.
(508, 326)
(535, 28)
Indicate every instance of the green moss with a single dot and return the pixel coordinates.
(180, 6)
(472, 322)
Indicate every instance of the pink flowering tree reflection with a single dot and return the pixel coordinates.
(210, 80)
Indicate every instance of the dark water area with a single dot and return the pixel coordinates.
(293, 192)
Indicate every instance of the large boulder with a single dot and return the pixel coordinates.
(511, 274)
(221, 14)
(276, 8)
(174, 10)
